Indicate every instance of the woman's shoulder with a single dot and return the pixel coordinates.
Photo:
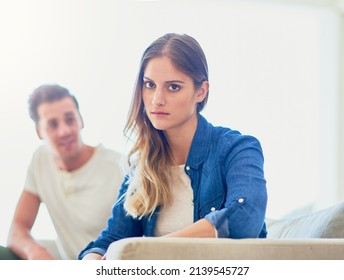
(229, 140)
(229, 134)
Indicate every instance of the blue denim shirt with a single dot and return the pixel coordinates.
(227, 178)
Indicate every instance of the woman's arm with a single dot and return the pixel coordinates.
(201, 228)
(92, 256)
(243, 214)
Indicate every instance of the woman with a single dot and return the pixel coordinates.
(186, 177)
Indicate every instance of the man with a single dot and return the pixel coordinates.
(78, 183)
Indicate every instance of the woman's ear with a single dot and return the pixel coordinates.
(202, 91)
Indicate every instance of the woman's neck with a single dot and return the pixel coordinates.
(180, 142)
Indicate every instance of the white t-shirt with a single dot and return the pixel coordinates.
(179, 214)
(79, 202)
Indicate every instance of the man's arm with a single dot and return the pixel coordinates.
(20, 240)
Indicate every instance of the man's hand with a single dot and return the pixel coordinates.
(38, 252)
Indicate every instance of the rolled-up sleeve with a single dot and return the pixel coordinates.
(243, 215)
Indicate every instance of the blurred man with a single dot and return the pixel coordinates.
(77, 182)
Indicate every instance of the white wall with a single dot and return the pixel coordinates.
(273, 74)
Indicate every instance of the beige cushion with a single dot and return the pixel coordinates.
(150, 248)
(327, 223)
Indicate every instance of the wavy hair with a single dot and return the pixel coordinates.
(150, 158)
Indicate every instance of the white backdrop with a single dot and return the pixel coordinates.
(273, 72)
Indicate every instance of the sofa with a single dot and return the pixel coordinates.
(316, 236)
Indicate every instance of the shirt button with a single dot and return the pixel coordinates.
(212, 209)
(241, 200)
(187, 167)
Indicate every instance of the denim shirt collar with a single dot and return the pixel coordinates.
(200, 143)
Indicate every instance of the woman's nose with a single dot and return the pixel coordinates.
(158, 97)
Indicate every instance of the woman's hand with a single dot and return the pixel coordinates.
(201, 228)
(93, 256)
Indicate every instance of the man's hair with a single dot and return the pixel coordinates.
(47, 94)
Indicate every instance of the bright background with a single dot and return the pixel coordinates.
(275, 70)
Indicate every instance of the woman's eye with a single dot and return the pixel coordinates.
(174, 87)
(149, 85)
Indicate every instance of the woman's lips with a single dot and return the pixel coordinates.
(158, 113)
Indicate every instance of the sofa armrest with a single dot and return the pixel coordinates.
(150, 248)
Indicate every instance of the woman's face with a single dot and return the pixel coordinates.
(169, 96)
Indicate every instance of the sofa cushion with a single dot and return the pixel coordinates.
(184, 248)
(326, 223)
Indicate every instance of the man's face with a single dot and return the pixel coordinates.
(59, 125)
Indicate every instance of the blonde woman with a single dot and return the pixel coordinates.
(186, 177)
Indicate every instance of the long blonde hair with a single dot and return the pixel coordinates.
(150, 158)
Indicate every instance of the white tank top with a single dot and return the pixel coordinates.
(179, 214)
